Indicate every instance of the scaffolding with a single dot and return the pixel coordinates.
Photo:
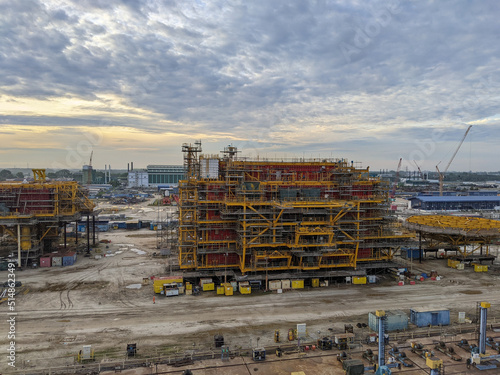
(267, 215)
(32, 213)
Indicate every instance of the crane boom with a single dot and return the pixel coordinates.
(441, 174)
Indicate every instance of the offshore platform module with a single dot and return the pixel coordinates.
(265, 215)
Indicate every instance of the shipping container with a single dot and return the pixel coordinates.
(425, 318)
(480, 268)
(285, 284)
(245, 288)
(189, 286)
(315, 283)
(397, 320)
(160, 281)
(298, 284)
(46, 261)
(220, 290)
(274, 284)
(206, 280)
(410, 253)
(228, 289)
(56, 260)
(358, 280)
(208, 287)
(69, 259)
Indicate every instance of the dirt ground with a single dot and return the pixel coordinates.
(94, 303)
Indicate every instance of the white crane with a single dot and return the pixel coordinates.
(441, 174)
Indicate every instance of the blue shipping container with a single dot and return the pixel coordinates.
(425, 318)
(410, 253)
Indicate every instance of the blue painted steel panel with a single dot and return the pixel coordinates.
(397, 320)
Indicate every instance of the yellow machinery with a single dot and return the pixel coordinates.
(277, 336)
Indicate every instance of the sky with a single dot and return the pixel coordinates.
(133, 80)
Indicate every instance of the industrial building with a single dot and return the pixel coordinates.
(137, 179)
(458, 203)
(275, 215)
(164, 174)
(33, 214)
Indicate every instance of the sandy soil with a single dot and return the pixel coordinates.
(89, 303)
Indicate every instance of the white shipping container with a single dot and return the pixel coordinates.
(285, 284)
(274, 284)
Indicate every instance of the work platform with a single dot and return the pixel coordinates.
(275, 215)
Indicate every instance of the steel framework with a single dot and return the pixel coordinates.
(33, 212)
(283, 215)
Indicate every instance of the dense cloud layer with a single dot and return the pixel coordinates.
(366, 79)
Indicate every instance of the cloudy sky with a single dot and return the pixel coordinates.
(134, 79)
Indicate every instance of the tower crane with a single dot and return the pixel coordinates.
(419, 170)
(89, 172)
(441, 174)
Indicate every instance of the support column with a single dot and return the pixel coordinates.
(93, 230)
(420, 246)
(482, 327)
(19, 245)
(65, 239)
(76, 232)
(88, 233)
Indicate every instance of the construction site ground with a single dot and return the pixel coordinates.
(101, 302)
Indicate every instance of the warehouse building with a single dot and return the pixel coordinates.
(455, 203)
(164, 174)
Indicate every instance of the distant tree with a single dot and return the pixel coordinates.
(19, 175)
(6, 174)
(64, 173)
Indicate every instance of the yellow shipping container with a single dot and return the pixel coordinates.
(452, 263)
(220, 290)
(485, 268)
(189, 286)
(228, 290)
(297, 284)
(359, 280)
(208, 286)
(245, 289)
(315, 283)
(158, 283)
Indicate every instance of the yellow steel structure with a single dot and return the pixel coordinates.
(33, 211)
(467, 234)
(279, 215)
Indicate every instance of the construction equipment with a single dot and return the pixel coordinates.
(396, 180)
(291, 334)
(433, 362)
(448, 350)
(368, 355)
(441, 174)
(277, 335)
(495, 345)
(325, 343)
(341, 341)
(419, 170)
(259, 354)
(478, 358)
(131, 350)
(464, 344)
(400, 357)
(218, 341)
